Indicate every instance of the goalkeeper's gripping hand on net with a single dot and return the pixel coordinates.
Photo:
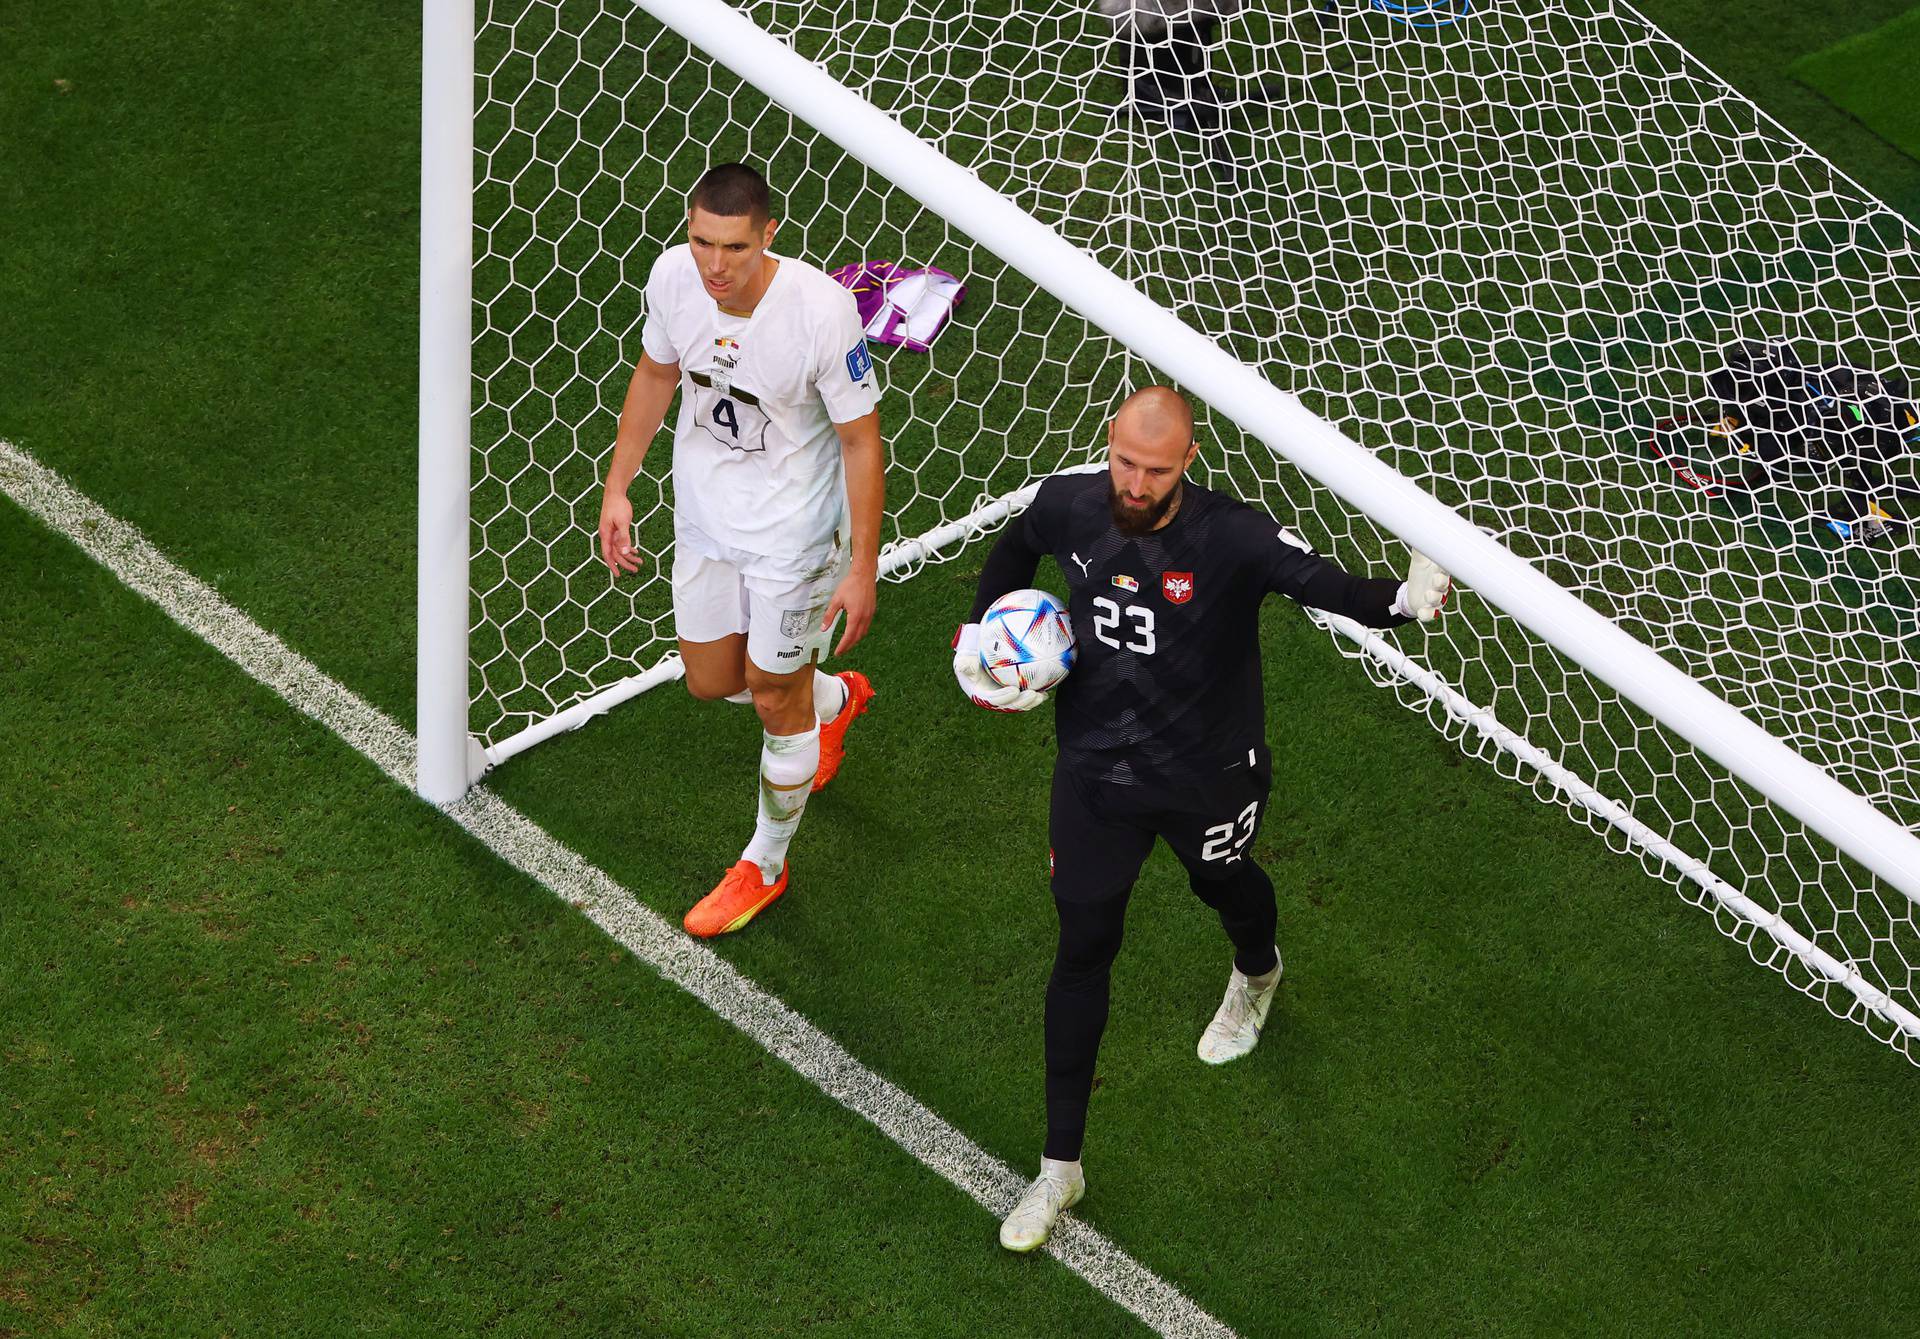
(978, 685)
(1425, 589)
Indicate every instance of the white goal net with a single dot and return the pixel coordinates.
(1504, 244)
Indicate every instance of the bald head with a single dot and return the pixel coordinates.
(1149, 446)
(1155, 416)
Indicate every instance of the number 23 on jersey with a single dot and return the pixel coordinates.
(1137, 634)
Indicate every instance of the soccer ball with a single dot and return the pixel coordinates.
(1026, 640)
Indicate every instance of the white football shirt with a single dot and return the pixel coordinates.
(756, 462)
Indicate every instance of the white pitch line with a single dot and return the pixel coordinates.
(522, 843)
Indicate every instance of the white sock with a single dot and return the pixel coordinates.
(787, 765)
(744, 695)
(829, 695)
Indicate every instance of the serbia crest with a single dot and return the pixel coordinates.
(1176, 586)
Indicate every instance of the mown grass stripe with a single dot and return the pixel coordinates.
(522, 843)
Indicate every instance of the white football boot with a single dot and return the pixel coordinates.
(1236, 1025)
(1057, 1189)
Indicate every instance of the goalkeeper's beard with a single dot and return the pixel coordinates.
(1139, 520)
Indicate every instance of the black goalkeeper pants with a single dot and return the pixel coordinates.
(1101, 833)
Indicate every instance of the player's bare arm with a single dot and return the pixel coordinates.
(649, 394)
(866, 468)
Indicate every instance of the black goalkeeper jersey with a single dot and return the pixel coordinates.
(1167, 686)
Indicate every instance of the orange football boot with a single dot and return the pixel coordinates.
(833, 733)
(739, 898)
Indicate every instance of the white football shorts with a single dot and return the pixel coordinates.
(777, 602)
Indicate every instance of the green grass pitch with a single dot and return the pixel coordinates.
(282, 1052)
(1871, 76)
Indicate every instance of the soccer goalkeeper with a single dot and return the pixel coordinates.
(1161, 731)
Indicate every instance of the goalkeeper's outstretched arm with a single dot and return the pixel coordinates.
(1296, 571)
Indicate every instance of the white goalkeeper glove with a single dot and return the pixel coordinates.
(978, 685)
(1425, 589)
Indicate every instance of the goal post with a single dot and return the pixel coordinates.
(1290, 430)
(1428, 279)
(445, 765)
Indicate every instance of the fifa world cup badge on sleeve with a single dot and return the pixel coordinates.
(859, 362)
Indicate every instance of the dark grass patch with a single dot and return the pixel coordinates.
(1870, 76)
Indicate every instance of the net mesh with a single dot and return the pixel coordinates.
(1501, 244)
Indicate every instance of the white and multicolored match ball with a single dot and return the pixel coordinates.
(1026, 640)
